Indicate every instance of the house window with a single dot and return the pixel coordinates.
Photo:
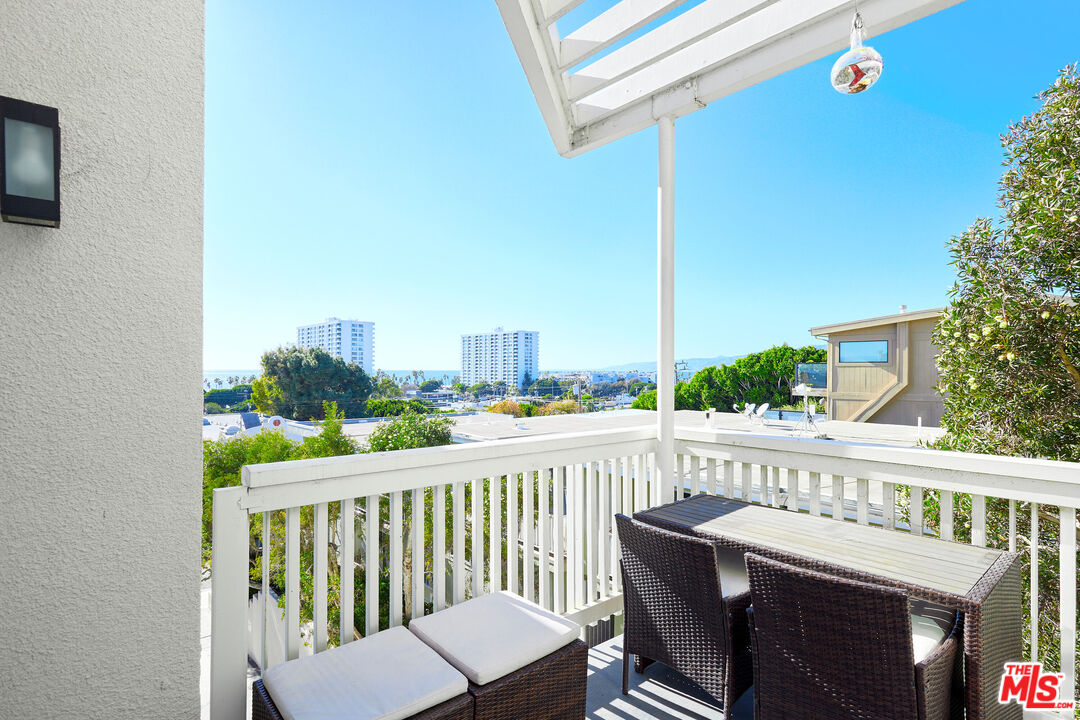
(865, 351)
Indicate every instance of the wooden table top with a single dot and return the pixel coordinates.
(948, 567)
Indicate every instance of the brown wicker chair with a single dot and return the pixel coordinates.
(830, 647)
(676, 613)
(458, 708)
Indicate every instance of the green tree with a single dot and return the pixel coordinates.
(459, 387)
(430, 386)
(480, 389)
(763, 377)
(297, 382)
(394, 407)
(212, 408)
(1010, 339)
(508, 407)
(645, 401)
(411, 430)
(386, 388)
(527, 380)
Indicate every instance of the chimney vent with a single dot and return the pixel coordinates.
(903, 308)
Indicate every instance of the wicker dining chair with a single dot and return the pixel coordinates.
(830, 647)
(675, 611)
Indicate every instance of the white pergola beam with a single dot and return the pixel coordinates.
(782, 51)
(609, 27)
(672, 36)
(533, 52)
(552, 10)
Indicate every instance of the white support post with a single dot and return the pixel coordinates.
(228, 614)
(665, 310)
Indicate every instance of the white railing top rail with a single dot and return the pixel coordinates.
(1015, 478)
(273, 486)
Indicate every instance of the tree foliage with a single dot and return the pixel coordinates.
(430, 385)
(1010, 339)
(508, 407)
(394, 407)
(386, 388)
(763, 377)
(296, 382)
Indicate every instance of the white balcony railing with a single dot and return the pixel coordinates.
(548, 502)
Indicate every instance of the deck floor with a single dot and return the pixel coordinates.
(657, 694)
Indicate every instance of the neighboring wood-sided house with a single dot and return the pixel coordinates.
(883, 369)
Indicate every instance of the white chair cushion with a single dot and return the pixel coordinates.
(385, 676)
(732, 568)
(930, 625)
(493, 635)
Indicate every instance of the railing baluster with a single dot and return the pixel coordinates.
(815, 493)
(1012, 526)
(793, 489)
(457, 504)
(346, 568)
(888, 505)
(618, 485)
(763, 484)
(1033, 549)
(945, 502)
(604, 549)
(543, 530)
(628, 486)
(862, 490)
(978, 520)
(512, 533)
(397, 560)
(559, 538)
(710, 475)
(680, 480)
(1067, 561)
(292, 583)
(419, 553)
(641, 488)
(320, 547)
(371, 564)
(916, 511)
(729, 479)
(476, 556)
(267, 537)
(577, 567)
(838, 497)
(695, 475)
(438, 546)
(774, 486)
(495, 534)
(528, 512)
(591, 532)
(747, 482)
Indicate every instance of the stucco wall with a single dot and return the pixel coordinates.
(100, 368)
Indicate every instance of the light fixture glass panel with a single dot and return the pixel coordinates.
(28, 152)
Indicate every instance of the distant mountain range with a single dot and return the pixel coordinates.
(692, 364)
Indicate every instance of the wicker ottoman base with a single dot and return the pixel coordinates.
(552, 688)
(456, 708)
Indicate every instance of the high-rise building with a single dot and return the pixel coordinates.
(500, 355)
(350, 340)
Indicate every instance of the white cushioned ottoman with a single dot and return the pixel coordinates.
(386, 676)
(522, 661)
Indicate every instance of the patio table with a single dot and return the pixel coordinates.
(981, 583)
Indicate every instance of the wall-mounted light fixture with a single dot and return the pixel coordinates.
(29, 163)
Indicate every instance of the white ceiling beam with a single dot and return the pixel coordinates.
(672, 36)
(609, 27)
(788, 17)
(785, 52)
(533, 52)
(552, 10)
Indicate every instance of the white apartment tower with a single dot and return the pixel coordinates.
(500, 355)
(350, 340)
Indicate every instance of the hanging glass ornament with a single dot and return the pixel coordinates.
(858, 68)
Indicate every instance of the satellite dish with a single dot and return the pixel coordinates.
(275, 423)
(232, 430)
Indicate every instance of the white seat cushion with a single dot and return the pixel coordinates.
(732, 568)
(385, 676)
(493, 635)
(930, 625)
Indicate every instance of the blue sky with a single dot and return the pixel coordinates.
(386, 162)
